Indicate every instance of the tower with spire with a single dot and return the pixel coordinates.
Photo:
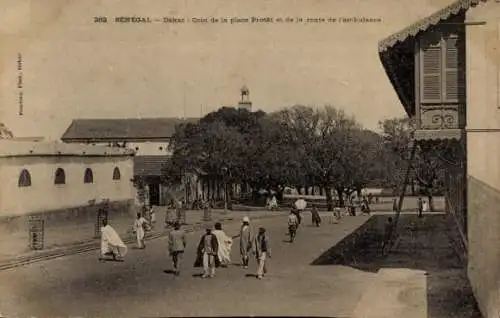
(245, 102)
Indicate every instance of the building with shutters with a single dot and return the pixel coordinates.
(148, 137)
(445, 70)
(61, 182)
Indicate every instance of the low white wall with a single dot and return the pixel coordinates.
(44, 195)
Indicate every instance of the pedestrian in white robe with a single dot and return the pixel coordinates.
(111, 243)
(246, 237)
(273, 203)
(139, 228)
(225, 244)
(152, 212)
(425, 206)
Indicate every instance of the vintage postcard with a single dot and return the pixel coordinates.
(192, 158)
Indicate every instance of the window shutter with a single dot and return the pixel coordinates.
(454, 81)
(430, 70)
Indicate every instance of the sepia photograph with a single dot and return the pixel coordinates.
(286, 158)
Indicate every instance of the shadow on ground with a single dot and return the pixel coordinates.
(430, 244)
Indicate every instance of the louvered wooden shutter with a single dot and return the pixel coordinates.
(451, 70)
(430, 72)
(454, 84)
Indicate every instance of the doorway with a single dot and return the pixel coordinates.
(154, 194)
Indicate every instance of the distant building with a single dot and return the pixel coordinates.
(445, 69)
(148, 137)
(61, 182)
(245, 102)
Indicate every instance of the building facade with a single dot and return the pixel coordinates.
(149, 138)
(446, 72)
(61, 182)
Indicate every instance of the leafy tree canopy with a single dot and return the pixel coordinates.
(294, 147)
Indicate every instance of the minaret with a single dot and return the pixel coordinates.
(245, 102)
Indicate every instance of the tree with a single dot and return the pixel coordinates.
(397, 134)
(244, 121)
(429, 168)
(427, 165)
(295, 133)
(343, 154)
(365, 154)
(219, 145)
(211, 147)
(333, 150)
(297, 146)
(275, 157)
(236, 131)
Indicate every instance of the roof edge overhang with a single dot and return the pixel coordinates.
(390, 70)
(426, 23)
(387, 45)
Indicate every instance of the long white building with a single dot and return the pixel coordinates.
(61, 182)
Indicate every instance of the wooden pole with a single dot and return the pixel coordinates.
(403, 190)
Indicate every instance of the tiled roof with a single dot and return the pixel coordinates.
(122, 129)
(10, 148)
(149, 165)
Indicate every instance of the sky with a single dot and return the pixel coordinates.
(75, 68)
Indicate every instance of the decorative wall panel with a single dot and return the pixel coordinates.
(440, 117)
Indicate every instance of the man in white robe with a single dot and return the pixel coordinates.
(246, 237)
(273, 203)
(225, 244)
(425, 206)
(152, 213)
(140, 224)
(111, 243)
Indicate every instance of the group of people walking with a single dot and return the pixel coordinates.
(214, 247)
(214, 250)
